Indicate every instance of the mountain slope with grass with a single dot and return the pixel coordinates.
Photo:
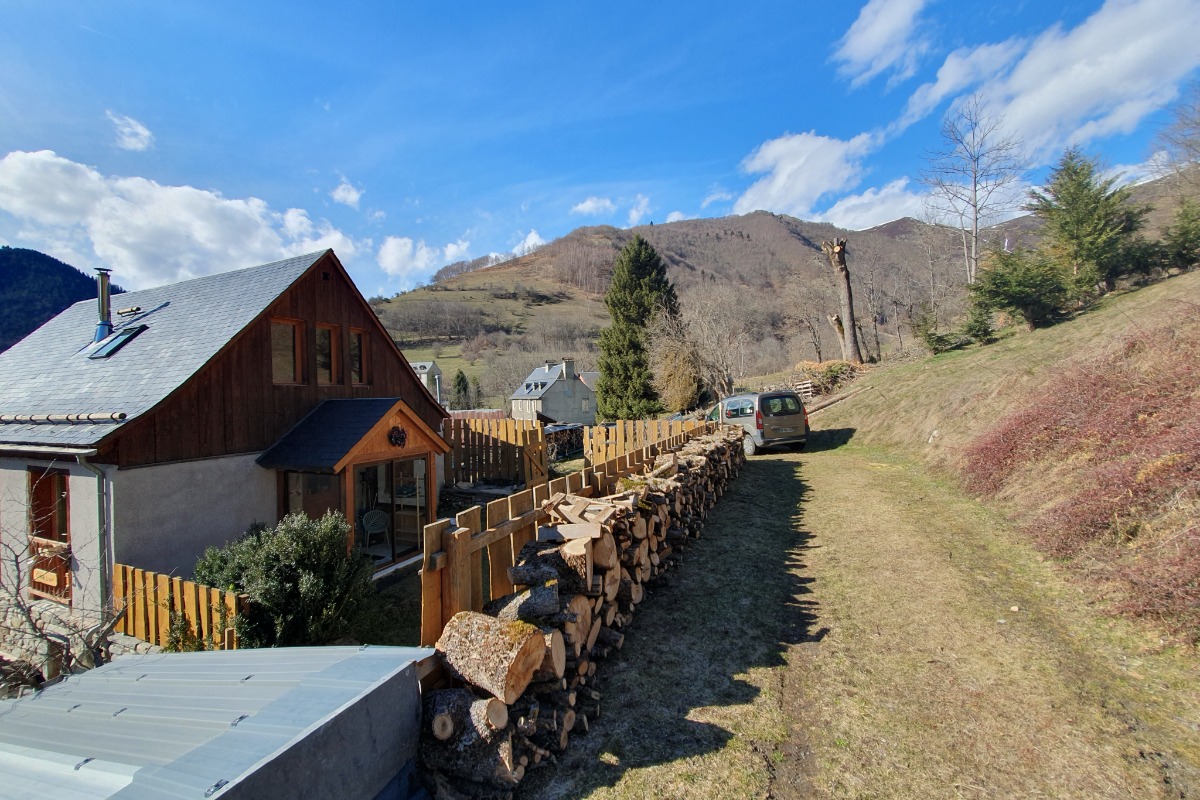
(1087, 434)
(33, 288)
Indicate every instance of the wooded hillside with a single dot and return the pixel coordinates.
(33, 288)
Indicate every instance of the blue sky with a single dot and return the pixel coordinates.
(171, 140)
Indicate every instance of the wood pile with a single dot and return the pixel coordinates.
(524, 670)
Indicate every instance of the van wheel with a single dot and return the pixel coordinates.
(749, 446)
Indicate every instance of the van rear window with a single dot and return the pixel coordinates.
(780, 406)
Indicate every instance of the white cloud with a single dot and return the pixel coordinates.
(801, 168)
(594, 206)
(716, 196)
(962, 69)
(149, 234)
(131, 134)
(640, 208)
(346, 194)
(676, 216)
(1098, 79)
(530, 242)
(883, 38)
(875, 207)
(457, 251)
(401, 257)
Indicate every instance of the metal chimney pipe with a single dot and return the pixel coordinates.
(104, 328)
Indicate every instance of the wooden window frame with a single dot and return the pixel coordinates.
(50, 555)
(298, 342)
(364, 378)
(335, 354)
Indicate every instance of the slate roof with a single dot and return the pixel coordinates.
(174, 725)
(320, 440)
(542, 378)
(49, 372)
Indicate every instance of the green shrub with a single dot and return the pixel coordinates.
(924, 322)
(1029, 283)
(978, 325)
(305, 585)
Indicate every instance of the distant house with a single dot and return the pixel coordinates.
(431, 377)
(199, 409)
(557, 392)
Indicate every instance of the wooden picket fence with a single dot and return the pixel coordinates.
(495, 449)
(604, 442)
(459, 552)
(150, 598)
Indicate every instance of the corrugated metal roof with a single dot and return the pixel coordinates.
(174, 725)
(49, 372)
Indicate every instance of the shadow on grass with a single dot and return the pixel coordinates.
(735, 605)
(828, 439)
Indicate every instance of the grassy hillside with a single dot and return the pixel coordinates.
(1087, 434)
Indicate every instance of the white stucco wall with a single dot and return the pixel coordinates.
(82, 520)
(167, 514)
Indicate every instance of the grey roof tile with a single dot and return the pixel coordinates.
(49, 372)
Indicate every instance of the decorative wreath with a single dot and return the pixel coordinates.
(398, 437)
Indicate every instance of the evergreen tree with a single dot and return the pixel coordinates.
(639, 289)
(1027, 283)
(1089, 222)
(1182, 239)
(462, 391)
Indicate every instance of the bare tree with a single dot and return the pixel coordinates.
(50, 637)
(1180, 139)
(805, 306)
(974, 175)
(843, 322)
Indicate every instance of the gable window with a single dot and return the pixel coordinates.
(327, 355)
(358, 357)
(287, 351)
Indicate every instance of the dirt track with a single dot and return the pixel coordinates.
(848, 627)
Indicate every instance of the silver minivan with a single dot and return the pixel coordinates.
(770, 419)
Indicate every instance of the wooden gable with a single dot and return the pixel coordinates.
(232, 405)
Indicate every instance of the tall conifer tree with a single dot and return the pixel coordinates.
(638, 290)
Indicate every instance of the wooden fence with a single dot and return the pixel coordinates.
(495, 449)
(150, 598)
(482, 541)
(604, 442)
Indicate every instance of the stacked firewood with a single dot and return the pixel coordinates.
(526, 667)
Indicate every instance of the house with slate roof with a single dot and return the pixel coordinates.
(556, 392)
(199, 409)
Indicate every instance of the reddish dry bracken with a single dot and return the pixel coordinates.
(1115, 440)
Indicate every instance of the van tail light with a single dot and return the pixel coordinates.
(805, 410)
(758, 420)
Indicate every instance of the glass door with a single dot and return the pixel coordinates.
(390, 508)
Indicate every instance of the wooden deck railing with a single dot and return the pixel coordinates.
(150, 599)
(604, 442)
(482, 541)
(495, 449)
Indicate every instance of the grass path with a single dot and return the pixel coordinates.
(846, 628)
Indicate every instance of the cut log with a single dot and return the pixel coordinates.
(555, 660)
(532, 605)
(449, 712)
(497, 656)
(487, 761)
(578, 555)
(604, 552)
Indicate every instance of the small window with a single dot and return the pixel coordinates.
(117, 341)
(327, 355)
(287, 351)
(587, 404)
(48, 504)
(358, 357)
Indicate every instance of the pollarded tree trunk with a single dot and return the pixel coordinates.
(836, 251)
